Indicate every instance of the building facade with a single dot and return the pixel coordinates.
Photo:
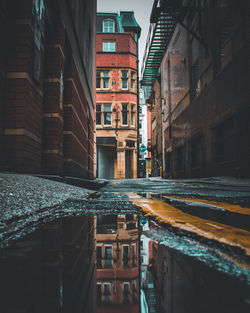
(117, 95)
(154, 103)
(117, 262)
(203, 62)
(47, 87)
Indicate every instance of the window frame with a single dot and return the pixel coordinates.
(132, 115)
(108, 27)
(132, 81)
(124, 78)
(109, 42)
(99, 79)
(107, 264)
(107, 112)
(124, 111)
(123, 292)
(98, 112)
(105, 77)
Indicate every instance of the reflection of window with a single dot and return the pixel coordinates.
(132, 80)
(98, 114)
(124, 79)
(105, 80)
(98, 79)
(132, 114)
(125, 255)
(99, 292)
(107, 294)
(107, 114)
(133, 255)
(108, 46)
(124, 114)
(99, 257)
(126, 292)
(108, 26)
(108, 256)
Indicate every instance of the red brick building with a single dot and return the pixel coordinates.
(47, 87)
(117, 262)
(117, 95)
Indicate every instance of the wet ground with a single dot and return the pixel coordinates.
(157, 239)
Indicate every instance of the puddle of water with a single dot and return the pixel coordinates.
(115, 263)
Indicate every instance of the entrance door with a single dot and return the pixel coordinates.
(105, 162)
(128, 155)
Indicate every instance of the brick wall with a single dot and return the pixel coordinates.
(46, 124)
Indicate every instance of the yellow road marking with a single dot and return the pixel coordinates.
(165, 213)
(235, 208)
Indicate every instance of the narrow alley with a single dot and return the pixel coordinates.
(124, 156)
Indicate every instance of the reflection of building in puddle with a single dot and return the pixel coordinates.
(117, 262)
(150, 296)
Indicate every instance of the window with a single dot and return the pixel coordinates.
(98, 114)
(105, 80)
(99, 257)
(107, 294)
(132, 81)
(108, 46)
(125, 256)
(108, 256)
(102, 80)
(124, 79)
(98, 79)
(125, 292)
(133, 255)
(132, 115)
(108, 26)
(124, 114)
(107, 114)
(99, 292)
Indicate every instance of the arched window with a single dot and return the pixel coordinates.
(108, 26)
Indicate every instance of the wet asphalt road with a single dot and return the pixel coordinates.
(28, 202)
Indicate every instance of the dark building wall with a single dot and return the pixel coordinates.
(207, 99)
(47, 87)
(156, 129)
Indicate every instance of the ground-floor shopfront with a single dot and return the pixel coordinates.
(116, 159)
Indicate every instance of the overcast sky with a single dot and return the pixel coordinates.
(142, 9)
